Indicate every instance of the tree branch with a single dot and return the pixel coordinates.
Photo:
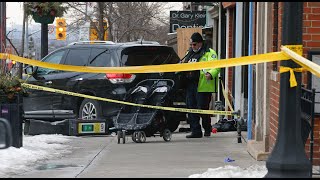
(15, 49)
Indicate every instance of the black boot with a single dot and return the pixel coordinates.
(192, 135)
(207, 133)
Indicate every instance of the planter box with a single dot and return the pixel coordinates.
(12, 111)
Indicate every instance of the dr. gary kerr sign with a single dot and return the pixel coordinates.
(187, 19)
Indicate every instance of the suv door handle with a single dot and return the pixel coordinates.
(48, 82)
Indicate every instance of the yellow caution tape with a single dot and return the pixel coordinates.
(260, 58)
(305, 63)
(268, 57)
(293, 81)
(296, 48)
(199, 111)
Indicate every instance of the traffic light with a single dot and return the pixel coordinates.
(94, 34)
(61, 29)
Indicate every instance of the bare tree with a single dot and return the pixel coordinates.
(137, 20)
(80, 15)
(127, 21)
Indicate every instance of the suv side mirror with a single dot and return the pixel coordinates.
(29, 70)
(5, 134)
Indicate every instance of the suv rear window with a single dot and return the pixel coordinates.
(148, 55)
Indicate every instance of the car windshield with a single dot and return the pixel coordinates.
(148, 55)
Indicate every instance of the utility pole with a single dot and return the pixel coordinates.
(3, 32)
(288, 158)
(44, 39)
(19, 72)
(27, 36)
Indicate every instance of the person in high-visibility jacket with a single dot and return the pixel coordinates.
(200, 84)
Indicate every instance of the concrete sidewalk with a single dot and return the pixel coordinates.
(101, 156)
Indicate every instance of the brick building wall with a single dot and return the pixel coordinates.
(274, 83)
(311, 40)
(230, 48)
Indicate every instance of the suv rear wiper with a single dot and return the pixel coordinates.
(165, 61)
(97, 56)
(154, 59)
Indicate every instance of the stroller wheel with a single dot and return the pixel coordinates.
(135, 136)
(142, 136)
(166, 135)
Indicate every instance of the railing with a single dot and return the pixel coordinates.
(307, 116)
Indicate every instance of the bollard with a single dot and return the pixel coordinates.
(239, 123)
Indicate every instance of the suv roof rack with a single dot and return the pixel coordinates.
(92, 42)
(143, 42)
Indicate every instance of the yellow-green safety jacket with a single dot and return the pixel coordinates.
(205, 85)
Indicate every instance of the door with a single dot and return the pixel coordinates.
(39, 104)
(65, 106)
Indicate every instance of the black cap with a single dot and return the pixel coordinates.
(196, 37)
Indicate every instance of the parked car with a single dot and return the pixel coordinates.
(50, 106)
(5, 134)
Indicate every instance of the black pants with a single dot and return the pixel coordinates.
(198, 100)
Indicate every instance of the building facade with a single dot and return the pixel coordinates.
(243, 29)
(265, 36)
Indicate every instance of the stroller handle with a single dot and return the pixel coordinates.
(155, 82)
(145, 82)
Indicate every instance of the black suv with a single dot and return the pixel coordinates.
(50, 106)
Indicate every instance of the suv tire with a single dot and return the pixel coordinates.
(90, 109)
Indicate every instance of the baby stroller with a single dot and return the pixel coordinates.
(141, 122)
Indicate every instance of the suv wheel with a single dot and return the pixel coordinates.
(90, 109)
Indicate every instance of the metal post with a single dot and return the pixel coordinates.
(19, 65)
(44, 40)
(250, 73)
(312, 127)
(3, 32)
(27, 37)
(239, 124)
(288, 158)
(1, 27)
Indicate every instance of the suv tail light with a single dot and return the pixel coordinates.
(120, 78)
